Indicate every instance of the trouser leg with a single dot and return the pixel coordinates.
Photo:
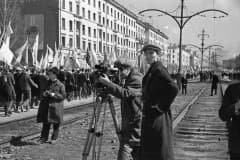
(234, 156)
(45, 131)
(55, 131)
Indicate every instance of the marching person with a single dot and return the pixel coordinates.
(131, 109)
(159, 91)
(50, 111)
(230, 112)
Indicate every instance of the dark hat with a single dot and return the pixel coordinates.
(54, 70)
(151, 47)
(122, 64)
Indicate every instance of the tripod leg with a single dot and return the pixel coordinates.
(100, 133)
(114, 117)
(91, 130)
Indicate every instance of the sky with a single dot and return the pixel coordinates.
(223, 31)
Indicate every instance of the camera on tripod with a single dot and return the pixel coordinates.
(101, 70)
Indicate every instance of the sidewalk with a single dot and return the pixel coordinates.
(33, 112)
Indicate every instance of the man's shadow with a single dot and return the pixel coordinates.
(18, 141)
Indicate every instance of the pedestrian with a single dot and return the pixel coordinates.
(184, 82)
(230, 113)
(50, 111)
(25, 83)
(159, 91)
(131, 109)
(6, 94)
(215, 81)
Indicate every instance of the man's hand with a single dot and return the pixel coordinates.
(237, 108)
(104, 79)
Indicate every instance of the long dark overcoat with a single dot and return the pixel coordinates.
(51, 108)
(227, 113)
(159, 91)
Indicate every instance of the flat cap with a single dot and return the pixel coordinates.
(151, 47)
(122, 64)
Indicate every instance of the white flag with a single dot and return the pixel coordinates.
(19, 52)
(35, 50)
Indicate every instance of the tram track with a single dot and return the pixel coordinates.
(83, 112)
(200, 134)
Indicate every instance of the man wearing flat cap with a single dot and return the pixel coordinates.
(131, 108)
(158, 93)
(50, 111)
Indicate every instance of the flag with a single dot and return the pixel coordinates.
(91, 58)
(41, 62)
(6, 54)
(112, 58)
(56, 58)
(44, 64)
(77, 63)
(19, 52)
(35, 51)
(50, 54)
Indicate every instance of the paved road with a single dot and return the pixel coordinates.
(201, 135)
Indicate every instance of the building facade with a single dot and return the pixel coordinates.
(102, 26)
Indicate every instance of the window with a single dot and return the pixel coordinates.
(83, 12)
(63, 41)
(111, 12)
(99, 19)
(94, 3)
(63, 24)
(83, 29)
(70, 6)
(107, 9)
(84, 45)
(78, 9)
(107, 37)
(89, 15)
(103, 7)
(78, 26)
(89, 46)
(108, 22)
(103, 21)
(63, 4)
(104, 36)
(70, 42)
(114, 13)
(95, 47)
(118, 16)
(100, 34)
(99, 5)
(95, 33)
(89, 31)
(94, 16)
(70, 26)
(78, 41)
(89, 2)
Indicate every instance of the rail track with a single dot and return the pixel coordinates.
(201, 135)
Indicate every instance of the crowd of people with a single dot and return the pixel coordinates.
(22, 88)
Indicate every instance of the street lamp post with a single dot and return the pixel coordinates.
(182, 21)
(202, 49)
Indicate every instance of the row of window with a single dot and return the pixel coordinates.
(101, 7)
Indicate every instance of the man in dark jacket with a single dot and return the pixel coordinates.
(159, 91)
(25, 83)
(184, 81)
(50, 111)
(230, 112)
(215, 81)
(131, 109)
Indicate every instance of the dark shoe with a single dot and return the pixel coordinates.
(53, 141)
(41, 141)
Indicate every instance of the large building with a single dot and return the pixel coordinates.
(103, 26)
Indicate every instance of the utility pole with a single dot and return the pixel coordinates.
(203, 35)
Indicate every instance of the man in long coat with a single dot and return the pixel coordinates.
(50, 111)
(230, 112)
(159, 91)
